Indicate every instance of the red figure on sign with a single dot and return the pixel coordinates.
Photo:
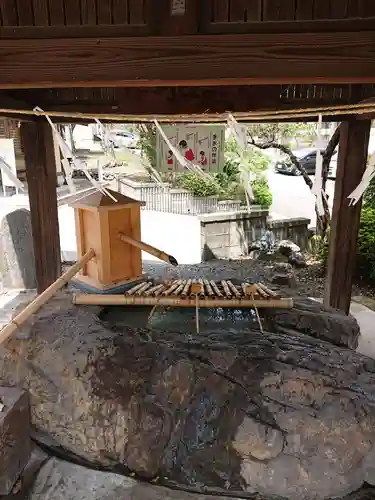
(202, 158)
(187, 152)
(170, 157)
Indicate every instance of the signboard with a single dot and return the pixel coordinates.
(203, 145)
(9, 156)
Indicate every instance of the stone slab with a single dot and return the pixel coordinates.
(15, 444)
(17, 263)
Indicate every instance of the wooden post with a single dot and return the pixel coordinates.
(353, 151)
(40, 160)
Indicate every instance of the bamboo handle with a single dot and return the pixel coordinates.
(117, 300)
(39, 301)
(149, 249)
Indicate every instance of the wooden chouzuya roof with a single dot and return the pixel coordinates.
(137, 59)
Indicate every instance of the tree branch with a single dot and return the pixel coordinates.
(287, 151)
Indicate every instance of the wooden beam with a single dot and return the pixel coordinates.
(189, 60)
(353, 151)
(40, 160)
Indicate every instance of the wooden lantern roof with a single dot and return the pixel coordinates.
(100, 200)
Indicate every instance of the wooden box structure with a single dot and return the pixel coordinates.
(99, 221)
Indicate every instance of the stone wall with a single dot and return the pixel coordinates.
(228, 235)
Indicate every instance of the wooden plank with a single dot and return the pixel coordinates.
(38, 146)
(354, 8)
(145, 101)
(120, 11)
(353, 150)
(88, 12)
(104, 11)
(8, 13)
(321, 9)
(245, 10)
(167, 20)
(368, 8)
(220, 11)
(304, 9)
(186, 60)
(41, 17)
(25, 13)
(72, 13)
(136, 9)
(339, 9)
(56, 12)
(278, 10)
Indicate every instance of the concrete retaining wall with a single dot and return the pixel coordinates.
(229, 235)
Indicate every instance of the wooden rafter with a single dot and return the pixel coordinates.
(189, 60)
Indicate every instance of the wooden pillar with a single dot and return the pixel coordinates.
(353, 151)
(40, 160)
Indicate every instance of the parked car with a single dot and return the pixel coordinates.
(123, 139)
(307, 158)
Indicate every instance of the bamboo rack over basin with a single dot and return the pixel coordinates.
(121, 300)
(192, 293)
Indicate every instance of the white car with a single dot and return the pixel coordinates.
(123, 139)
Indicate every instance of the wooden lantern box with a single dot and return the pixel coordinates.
(99, 221)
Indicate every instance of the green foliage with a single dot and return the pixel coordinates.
(198, 185)
(147, 142)
(242, 167)
(366, 244)
(262, 193)
(282, 133)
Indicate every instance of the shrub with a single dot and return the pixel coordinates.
(198, 185)
(366, 244)
(262, 192)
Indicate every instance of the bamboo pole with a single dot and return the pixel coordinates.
(225, 286)
(267, 290)
(39, 301)
(208, 288)
(185, 291)
(149, 249)
(121, 300)
(154, 289)
(233, 289)
(216, 289)
(172, 288)
(144, 288)
(135, 288)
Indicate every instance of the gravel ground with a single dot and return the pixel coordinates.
(310, 280)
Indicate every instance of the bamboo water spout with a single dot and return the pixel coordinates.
(149, 249)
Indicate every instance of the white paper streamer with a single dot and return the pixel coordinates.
(241, 140)
(237, 131)
(65, 151)
(106, 140)
(368, 175)
(317, 188)
(189, 165)
(9, 172)
(78, 164)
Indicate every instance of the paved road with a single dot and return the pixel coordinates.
(292, 197)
